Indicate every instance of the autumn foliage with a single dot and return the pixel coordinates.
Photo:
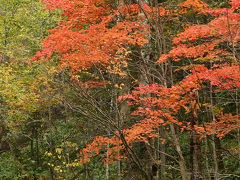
(88, 35)
(92, 33)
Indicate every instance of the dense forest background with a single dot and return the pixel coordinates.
(120, 89)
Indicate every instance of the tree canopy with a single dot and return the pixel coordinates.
(123, 89)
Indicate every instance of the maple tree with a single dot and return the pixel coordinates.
(82, 42)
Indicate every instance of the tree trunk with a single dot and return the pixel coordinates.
(162, 147)
(107, 163)
(195, 147)
(195, 156)
(178, 149)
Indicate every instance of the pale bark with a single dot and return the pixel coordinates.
(179, 151)
(213, 138)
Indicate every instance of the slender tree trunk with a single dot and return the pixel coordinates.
(179, 151)
(213, 138)
(237, 112)
(207, 160)
(107, 163)
(162, 147)
(195, 147)
(118, 169)
(195, 156)
(182, 162)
